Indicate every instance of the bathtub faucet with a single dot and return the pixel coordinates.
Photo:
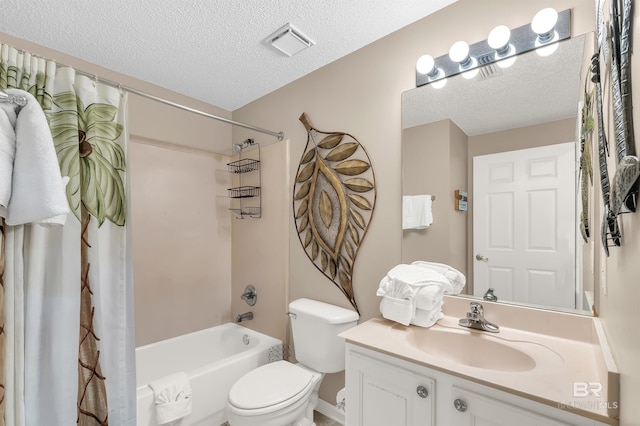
(244, 317)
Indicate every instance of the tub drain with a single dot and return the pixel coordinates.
(245, 339)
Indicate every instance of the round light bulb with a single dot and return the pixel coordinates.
(544, 21)
(547, 50)
(425, 64)
(499, 37)
(471, 73)
(439, 84)
(507, 62)
(459, 51)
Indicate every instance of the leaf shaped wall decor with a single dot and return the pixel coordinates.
(334, 199)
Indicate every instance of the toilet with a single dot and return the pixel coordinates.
(285, 394)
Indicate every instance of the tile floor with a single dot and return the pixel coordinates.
(322, 420)
(319, 419)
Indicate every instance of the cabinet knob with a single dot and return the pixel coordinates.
(460, 405)
(422, 392)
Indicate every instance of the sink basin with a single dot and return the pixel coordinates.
(473, 349)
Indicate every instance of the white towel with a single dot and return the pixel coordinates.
(37, 188)
(456, 279)
(416, 212)
(407, 289)
(172, 396)
(427, 318)
(398, 310)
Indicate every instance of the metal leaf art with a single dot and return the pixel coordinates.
(609, 230)
(586, 169)
(334, 198)
(625, 184)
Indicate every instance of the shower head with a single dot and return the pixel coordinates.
(238, 147)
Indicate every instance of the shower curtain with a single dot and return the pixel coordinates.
(69, 351)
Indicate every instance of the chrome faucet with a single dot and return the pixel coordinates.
(475, 319)
(244, 317)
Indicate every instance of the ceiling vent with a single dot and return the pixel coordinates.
(289, 40)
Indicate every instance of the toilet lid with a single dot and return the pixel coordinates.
(269, 385)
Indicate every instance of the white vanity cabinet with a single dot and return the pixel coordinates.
(384, 390)
(383, 394)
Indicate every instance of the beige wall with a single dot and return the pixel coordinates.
(434, 161)
(181, 240)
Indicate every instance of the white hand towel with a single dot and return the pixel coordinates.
(429, 297)
(427, 318)
(398, 310)
(172, 396)
(416, 276)
(456, 279)
(7, 153)
(416, 212)
(37, 189)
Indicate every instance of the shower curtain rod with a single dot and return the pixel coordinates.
(279, 135)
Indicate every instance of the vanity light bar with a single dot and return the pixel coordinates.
(523, 39)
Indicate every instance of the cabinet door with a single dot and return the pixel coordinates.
(469, 408)
(381, 394)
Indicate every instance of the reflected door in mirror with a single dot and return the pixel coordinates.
(524, 225)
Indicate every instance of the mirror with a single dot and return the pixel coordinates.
(518, 237)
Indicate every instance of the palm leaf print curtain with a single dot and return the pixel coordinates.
(73, 360)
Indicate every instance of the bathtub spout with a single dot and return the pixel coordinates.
(244, 317)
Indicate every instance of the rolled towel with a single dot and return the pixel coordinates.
(172, 396)
(455, 279)
(427, 318)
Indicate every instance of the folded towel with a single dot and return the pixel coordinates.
(456, 279)
(37, 189)
(416, 212)
(416, 275)
(427, 318)
(398, 310)
(429, 297)
(172, 396)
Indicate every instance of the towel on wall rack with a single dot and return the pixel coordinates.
(416, 211)
(31, 186)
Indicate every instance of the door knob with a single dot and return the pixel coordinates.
(422, 392)
(460, 405)
(481, 258)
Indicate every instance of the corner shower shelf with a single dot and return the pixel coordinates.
(244, 192)
(245, 165)
(242, 167)
(247, 211)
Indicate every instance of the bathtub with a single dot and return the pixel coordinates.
(213, 359)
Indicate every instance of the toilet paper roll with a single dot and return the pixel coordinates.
(341, 399)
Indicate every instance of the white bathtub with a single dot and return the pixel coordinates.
(213, 359)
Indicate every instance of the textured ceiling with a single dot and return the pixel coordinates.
(534, 90)
(211, 50)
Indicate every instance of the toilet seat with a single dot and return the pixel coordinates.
(271, 386)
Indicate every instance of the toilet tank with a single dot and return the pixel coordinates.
(315, 327)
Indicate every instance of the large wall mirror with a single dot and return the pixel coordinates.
(508, 138)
